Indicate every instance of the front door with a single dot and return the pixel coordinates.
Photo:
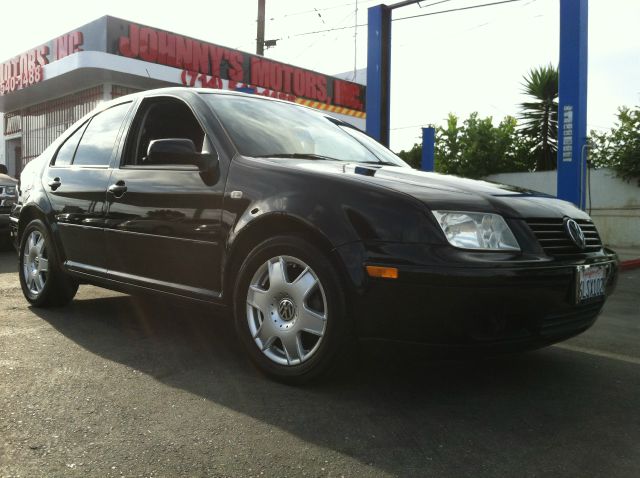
(163, 220)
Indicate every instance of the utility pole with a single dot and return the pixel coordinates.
(260, 39)
(355, 43)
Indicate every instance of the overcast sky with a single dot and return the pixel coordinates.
(457, 62)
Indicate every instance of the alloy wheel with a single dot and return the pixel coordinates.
(286, 310)
(35, 265)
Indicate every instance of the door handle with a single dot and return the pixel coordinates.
(118, 189)
(55, 184)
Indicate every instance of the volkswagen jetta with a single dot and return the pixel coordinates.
(310, 231)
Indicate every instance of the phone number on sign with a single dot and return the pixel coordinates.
(18, 82)
(190, 78)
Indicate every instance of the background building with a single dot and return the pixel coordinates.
(45, 90)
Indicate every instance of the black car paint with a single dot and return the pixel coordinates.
(362, 215)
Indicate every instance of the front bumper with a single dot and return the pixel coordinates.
(509, 304)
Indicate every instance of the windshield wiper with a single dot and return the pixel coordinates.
(298, 156)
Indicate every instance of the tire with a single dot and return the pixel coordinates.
(293, 324)
(43, 282)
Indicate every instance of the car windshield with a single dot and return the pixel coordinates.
(261, 128)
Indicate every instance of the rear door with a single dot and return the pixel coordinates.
(163, 220)
(76, 183)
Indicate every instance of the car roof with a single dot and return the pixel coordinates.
(183, 91)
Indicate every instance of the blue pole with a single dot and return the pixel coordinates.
(378, 73)
(572, 107)
(428, 149)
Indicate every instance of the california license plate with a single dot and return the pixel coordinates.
(590, 282)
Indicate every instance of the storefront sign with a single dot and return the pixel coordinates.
(198, 64)
(205, 65)
(23, 70)
(26, 69)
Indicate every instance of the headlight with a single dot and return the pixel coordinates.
(10, 190)
(471, 230)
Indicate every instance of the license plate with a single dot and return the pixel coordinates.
(590, 282)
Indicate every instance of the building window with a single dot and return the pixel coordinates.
(117, 91)
(12, 123)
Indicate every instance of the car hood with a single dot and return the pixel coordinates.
(440, 191)
(6, 180)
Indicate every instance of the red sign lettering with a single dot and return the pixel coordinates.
(23, 70)
(346, 94)
(215, 62)
(68, 44)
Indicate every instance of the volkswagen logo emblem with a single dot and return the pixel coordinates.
(286, 309)
(575, 233)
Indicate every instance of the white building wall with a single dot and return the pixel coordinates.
(615, 204)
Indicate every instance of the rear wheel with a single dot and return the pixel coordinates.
(42, 279)
(289, 310)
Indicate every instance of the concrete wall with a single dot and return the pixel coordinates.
(615, 204)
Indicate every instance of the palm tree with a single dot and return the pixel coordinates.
(540, 116)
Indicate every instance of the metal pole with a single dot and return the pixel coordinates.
(428, 149)
(572, 96)
(260, 39)
(378, 73)
(355, 43)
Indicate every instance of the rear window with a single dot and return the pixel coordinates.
(68, 148)
(96, 145)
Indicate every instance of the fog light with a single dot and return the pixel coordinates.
(382, 272)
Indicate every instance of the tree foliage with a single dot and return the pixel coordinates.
(477, 148)
(539, 117)
(619, 148)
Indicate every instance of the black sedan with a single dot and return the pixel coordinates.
(313, 233)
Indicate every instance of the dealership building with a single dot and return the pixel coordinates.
(45, 90)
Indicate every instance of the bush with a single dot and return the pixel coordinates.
(619, 148)
(477, 148)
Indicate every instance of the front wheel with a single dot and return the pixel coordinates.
(42, 279)
(290, 310)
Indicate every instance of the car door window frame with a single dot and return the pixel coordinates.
(134, 134)
(83, 126)
(116, 141)
(53, 162)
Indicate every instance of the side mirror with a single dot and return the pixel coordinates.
(172, 151)
(182, 151)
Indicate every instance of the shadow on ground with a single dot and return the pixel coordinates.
(493, 417)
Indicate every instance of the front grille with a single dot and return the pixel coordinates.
(578, 319)
(555, 241)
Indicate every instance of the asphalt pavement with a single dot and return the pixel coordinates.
(117, 386)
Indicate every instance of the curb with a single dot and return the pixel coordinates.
(630, 264)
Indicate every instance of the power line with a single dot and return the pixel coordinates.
(432, 4)
(407, 18)
(316, 10)
(348, 16)
(456, 9)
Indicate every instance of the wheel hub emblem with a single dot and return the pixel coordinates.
(575, 233)
(286, 309)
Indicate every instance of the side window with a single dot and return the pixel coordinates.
(161, 119)
(99, 138)
(64, 157)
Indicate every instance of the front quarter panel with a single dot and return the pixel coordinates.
(341, 209)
